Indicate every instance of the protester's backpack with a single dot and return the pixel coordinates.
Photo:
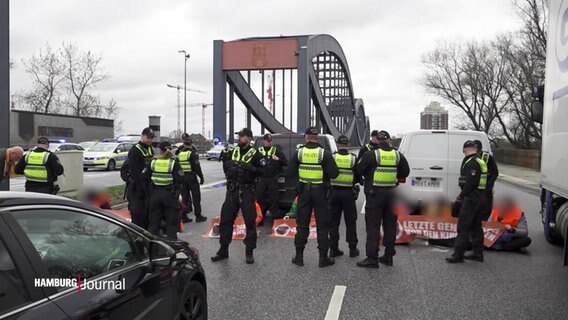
(125, 171)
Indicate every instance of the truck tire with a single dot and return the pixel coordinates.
(551, 234)
(562, 220)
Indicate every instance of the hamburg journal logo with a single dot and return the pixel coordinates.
(80, 283)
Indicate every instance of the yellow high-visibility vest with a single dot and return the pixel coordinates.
(310, 169)
(345, 163)
(386, 172)
(162, 172)
(36, 170)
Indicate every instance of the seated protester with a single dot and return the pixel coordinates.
(515, 237)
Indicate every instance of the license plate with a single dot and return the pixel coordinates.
(281, 179)
(87, 162)
(426, 183)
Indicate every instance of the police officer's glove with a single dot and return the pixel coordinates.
(201, 180)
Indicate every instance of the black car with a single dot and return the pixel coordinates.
(289, 143)
(61, 259)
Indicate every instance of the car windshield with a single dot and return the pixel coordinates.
(53, 146)
(219, 147)
(103, 147)
(87, 145)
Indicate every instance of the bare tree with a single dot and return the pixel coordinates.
(464, 75)
(83, 72)
(46, 71)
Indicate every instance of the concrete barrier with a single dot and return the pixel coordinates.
(72, 179)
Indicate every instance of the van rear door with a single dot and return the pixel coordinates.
(427, 155)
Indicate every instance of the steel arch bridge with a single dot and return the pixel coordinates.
(312, 69)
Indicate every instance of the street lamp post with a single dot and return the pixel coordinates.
(186, 57)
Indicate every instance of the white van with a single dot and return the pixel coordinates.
(435, 158)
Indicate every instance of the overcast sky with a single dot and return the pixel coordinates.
(139, 40)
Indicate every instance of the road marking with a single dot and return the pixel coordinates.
(363, 208)
(335, 304)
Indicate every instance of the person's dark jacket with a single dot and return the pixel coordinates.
(365, 149)
(493, 173)
(53, 166)
(137, 162)
(243, 173)
(193, 160)
(177, 172)
(368, 163)
(470, 175)
(330, 170)
(357, 178)
(273, 167)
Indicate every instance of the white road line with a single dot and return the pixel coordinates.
(363, 208)
(335, 304)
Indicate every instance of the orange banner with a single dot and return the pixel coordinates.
(411, 227)
(286, 228)
(239, 228)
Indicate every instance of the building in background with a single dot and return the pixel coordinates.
(26, 127)
(434, 117)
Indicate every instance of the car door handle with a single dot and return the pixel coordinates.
(436, 167)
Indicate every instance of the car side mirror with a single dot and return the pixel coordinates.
(161, 254)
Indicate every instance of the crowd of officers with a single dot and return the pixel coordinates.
(328, 186)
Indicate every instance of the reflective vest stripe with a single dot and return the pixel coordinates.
(184, 161)
(310, 169)
(385, 174)
(36, 170)
(484, 172)
(345, 163)
(147, 152)
(246, 158)
(162, 172)
(269, 153)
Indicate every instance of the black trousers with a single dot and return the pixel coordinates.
(469, 224)
(40, 188)
(308, 199)
(487, 205)
(342, 200)
(267, 195)
(378, 209)
(191, 193)
(515, 244)
(164, 205)
(138, 202)
(240, 198)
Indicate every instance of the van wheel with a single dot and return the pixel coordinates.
(111, 165)
(195, 302)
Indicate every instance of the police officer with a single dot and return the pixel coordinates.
(166, 176)
(343, 195)
(191, 193)
(267, 186)
(314, 166)
(473, 182)
(41, 168)
(139, 189)
(493, 173)
(225, 156)
(242, 170)
(382, 169)
(372, 145)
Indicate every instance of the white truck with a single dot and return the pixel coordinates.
(550, 107)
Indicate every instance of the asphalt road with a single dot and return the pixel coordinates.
(421, 285)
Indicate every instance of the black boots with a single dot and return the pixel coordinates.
(353, 252)
(249, 256)
(455, 258)
(299, 258)
(335, 252)
(325, 260)
(368, 263)
(474, 256)
(200, 218)
(185, 218)
(386, 260)
(222, 254)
